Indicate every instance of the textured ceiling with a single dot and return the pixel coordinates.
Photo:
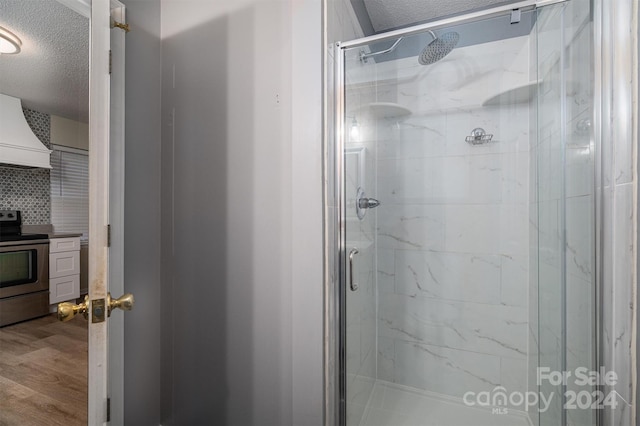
(390, 14)
(51, 74)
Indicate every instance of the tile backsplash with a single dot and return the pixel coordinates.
(29, 190)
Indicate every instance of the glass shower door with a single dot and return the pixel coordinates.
(443, 287)
(467, 221)
(360, 232)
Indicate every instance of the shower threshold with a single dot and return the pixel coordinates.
(393, 404)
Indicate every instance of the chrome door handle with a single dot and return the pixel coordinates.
(352, 284)
(368, 203)
(363, 203)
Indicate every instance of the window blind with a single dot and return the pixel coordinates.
(70, 191)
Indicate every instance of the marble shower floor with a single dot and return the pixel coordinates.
(396, 405)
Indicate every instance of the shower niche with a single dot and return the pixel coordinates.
(476, 268)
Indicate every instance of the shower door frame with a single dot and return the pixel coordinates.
(335, 247)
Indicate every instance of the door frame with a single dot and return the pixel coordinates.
(115, 348)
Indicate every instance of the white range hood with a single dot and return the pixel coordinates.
(18, 145)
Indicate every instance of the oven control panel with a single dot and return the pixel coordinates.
(10, 216)
(10, 223)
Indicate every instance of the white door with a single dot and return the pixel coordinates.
(106, 209)
(106, 202)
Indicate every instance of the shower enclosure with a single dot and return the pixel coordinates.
(462, 215)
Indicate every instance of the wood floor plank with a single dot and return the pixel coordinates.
(11, 416)
(10, 390)
(9, 359)
(59, 386)
(75, 364)
(71, 332)
(15, 343)
(29, 329)
(43, 373)
(65, 344)
(41, 410)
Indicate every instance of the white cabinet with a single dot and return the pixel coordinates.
(64, 264)
(64, 269)
(59, 245)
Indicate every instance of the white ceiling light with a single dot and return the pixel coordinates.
(9, 42)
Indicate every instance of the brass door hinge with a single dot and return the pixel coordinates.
(110, 61)
(109, 235)
(123, 26)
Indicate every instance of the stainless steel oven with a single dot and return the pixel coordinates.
(24, 271)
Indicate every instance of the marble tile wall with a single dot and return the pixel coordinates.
(619, 200)
(453, 227)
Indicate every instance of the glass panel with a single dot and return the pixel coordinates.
(360, 174)
(450, 144)
(17, 267)
(550, 155)
(475, 268)
(566, 248)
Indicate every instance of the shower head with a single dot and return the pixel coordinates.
(438, 48)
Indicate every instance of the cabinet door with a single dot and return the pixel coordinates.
(64, 264)
(57, 245)
(64, 288)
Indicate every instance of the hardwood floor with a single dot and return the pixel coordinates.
(43, 373)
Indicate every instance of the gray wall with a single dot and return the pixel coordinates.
(142, 213)
(210, 213)
(227, 217)
(307, 220)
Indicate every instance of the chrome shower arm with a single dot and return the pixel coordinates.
(365, 56)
